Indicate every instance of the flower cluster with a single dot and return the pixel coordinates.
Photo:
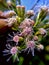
(29, 32)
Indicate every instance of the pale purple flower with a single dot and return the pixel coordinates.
(30, 46)
(11, 50)
(26, 23)
(26, 31)
(42, 31)
(16, 38)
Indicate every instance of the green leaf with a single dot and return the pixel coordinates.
(14, 57)
(21, 61)
(47, 57)
(41, 63)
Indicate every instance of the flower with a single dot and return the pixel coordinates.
(16, 38)
(26, 23)
(11, 21)
(9, 2)
(35, 38)
(40, 47)
(9, 13)
(42, 31)
(30, 12)
(26, 31)
(30, 45)
(13, 50)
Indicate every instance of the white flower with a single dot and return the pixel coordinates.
(11, 21)
(30, 12)
(9, 13)
(9, 2)
(40, 47)
(42, 31)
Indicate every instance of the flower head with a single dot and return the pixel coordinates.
(9, 13)
(30, 12)
(35, 38)
(42, 31)
(13, 50)
(9, 2)
(16, 38)
(30, 45)
(40, 47)
(26, 23)
(11, 21)
(26, 31)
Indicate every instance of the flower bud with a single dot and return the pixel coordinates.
(44, 8)
(9, 2)
(19, 19)
(32, 22)
(40, 47)
(22, 11)
(42, 31)
(21, 38)
(13, 50)
(8, 14)
(30, 12)
(16, 38)
(18, 8)
(35, 38)
(11, 21)
(42, 13)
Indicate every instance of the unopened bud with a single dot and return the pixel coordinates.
(35, 38)
(42, 31)
(18, 8)
(44, 8)
(9, 2)
(40, 47)
(11, 21)
(22, 11)
(30, 12)
(18, 19)
(21, 38)
(32, 22)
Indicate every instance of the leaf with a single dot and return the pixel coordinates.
(41, 63)
(30, 63)
(47, 57)
(21, 61)
(14, 57)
